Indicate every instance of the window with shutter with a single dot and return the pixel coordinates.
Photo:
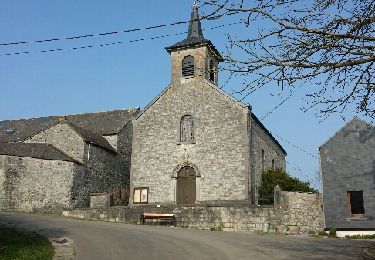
(188, 66)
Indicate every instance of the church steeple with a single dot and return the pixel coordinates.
(194, 57)
(195, 29)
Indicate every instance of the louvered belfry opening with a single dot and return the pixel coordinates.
(188, 66)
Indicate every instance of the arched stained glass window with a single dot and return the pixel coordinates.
(188, 66)
(187, 129)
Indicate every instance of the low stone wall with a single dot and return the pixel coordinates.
(301, 209)
(293, 211)
(30, 184)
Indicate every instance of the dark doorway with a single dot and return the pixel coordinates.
(186, 186)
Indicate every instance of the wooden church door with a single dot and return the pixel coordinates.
(186, 186)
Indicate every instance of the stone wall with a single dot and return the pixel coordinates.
(297, 211)
(262, 141)
(301, 209)
(63, 138)
(124, 150)
(220, 150)
(29, 184)
(112, 140)
(103, 172)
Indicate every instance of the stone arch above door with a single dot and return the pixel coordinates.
(180, 166)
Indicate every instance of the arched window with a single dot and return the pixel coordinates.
(188, 66)
(187, 129)
(212, 71)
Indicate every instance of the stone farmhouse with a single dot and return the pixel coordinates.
(57, 162)
(192, 145)
(348, 178)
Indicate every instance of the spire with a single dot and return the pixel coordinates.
(195, 29)
(195, 36)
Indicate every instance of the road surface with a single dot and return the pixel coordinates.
(102, 240)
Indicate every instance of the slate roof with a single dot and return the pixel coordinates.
(370, 132)
(195, 36)
(104, 123)
(34, 150)
(92, 137)
(268, 132)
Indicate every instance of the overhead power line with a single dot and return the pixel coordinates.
(296, 146)
(302, 174)
(93, 34)
(277, 106)
(110, 44)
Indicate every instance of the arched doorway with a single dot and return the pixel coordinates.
(186, 186)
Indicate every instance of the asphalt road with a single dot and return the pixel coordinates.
(102, 240)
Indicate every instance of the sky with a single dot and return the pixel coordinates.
(127, 75)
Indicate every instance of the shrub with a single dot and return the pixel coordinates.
(271, 178)
(332, 233)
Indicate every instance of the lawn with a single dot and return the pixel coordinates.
(17, 245)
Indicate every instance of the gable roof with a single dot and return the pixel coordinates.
(351, 122)
(34, 150)
(104, 123)
(222, 92)
(92, 137)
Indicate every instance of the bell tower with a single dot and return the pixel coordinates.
(194, 58)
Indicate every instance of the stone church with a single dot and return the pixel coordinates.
(193, 144)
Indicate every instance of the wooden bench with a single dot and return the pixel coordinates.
(158, 216)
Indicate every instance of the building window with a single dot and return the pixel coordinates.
(212, 71)
(273, 164)
(188, 66)
(355, 203)
(187, 129)
(140, 195)
(263, 166)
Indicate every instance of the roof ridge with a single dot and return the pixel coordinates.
(81, 132)
(62, 115)
(341, 128)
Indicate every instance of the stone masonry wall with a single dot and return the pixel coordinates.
(262, 141)
(124, 149)
(103, 171)
(112, 140)
(29, 184)
(64, 138)
(220, 151)
(299, 210)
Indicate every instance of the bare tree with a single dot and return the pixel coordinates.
(327, 46)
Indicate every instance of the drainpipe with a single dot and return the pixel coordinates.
(252, 160)
(88, 153)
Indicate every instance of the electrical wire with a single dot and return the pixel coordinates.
(93, 34)
(110, 44)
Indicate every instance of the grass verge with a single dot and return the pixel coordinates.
(22, 245)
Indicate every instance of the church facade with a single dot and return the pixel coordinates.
(195, 144)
